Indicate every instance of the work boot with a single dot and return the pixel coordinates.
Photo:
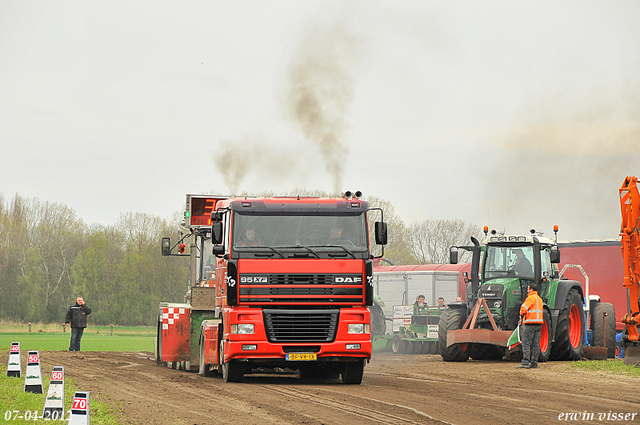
(523, 366)
(533, 366)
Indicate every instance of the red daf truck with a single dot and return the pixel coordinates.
(279, 282)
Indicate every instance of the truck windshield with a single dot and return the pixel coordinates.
(509, 261)
(320, 233)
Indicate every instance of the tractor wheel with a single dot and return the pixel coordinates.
(569, 340)
(399, 345)
(485, 352)
(416, 347)
(425, 347)
(608, 328)
(451, 320)
(352, 372)
(545, 338)
(378, 322)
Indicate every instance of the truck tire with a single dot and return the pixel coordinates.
(569, 340)
(609, 329)
(451, 320)
(485, 352)
(352, 372)
(232, 371)
(159, 344)
(545, 338)
(203, 369)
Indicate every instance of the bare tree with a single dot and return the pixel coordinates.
(398, 250)
(431, 239)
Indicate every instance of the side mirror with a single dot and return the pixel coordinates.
(453, 256)
(166, 246)
(216, 233)
(218, 250)
(555, 254)
(216, 216)
(381, 233)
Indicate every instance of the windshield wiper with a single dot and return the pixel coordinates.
(303, 247)
(270, 248)
(335, 246)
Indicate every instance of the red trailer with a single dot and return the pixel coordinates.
(603, 263)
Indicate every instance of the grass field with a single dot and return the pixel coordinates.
(615, 366)
(96, 338)
(14, 402)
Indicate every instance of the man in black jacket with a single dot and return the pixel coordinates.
(77, 317)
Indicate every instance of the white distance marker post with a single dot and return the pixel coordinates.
(80, 409)
(54, 403)
(33, 375)
(14, 368)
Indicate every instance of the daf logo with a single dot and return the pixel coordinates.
(348, 279)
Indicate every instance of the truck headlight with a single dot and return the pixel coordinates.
(242, 328)
(356, 328)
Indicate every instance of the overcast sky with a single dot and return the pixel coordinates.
(515, 115)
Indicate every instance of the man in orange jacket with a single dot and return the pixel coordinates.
(531, 318)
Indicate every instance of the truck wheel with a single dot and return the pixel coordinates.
(232, 371)
(485, 352)
(159, 344)
(203, 369)
(451, 320)
(569, 340)
(608, 328)
(352, 372)
(545, 338)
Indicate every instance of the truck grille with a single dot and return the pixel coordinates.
(300, 326)
(335, 289)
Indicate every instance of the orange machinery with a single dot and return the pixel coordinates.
(630, 232)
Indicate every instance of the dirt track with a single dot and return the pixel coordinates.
(396, 389)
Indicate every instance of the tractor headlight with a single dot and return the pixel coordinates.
(497, 304)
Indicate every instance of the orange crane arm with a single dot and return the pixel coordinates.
(630, 233)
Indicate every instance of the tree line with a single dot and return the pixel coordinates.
(49, 256)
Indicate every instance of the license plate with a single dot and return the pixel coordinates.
(302, 356)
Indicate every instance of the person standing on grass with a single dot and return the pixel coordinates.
(77, 317)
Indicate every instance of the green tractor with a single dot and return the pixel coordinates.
(501, 269)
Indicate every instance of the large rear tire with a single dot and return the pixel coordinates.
(352, 372)
(569, 340)
(545, 338)
(485, 352)
(451, 320)
(378, 322)
(608, 328)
